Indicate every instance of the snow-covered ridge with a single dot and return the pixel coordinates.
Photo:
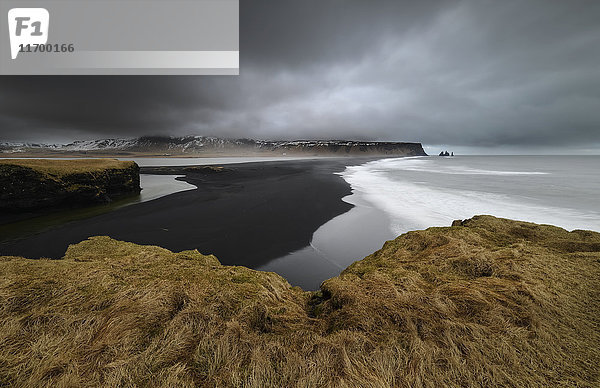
(198, 144)
(106, 144)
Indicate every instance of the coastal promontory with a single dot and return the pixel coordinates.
(42, 183)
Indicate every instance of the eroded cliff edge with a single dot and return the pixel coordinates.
(486, 302)
(41, 183)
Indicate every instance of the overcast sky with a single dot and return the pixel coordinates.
(511, 74)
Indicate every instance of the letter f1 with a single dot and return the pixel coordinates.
(27, 26)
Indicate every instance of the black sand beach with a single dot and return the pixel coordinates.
(247, 214)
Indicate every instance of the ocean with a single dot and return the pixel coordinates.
(421, 192)
(396, 195)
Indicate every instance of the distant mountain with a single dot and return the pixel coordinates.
(198, 145)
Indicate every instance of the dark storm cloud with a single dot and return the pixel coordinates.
(478, 73)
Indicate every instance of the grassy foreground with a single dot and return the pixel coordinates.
(487, 302)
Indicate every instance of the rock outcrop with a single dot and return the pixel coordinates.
(37, 183)
(343, 148)
(487, 302)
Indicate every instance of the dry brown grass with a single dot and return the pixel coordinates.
(66, 167)
(489, 303)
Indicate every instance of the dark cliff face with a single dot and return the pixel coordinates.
(313, 147)
(23, 187)
(350, 148)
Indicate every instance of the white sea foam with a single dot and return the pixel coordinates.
(427, 165)
(411, 205)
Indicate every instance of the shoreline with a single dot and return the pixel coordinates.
(248, 214)
(336, 244)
